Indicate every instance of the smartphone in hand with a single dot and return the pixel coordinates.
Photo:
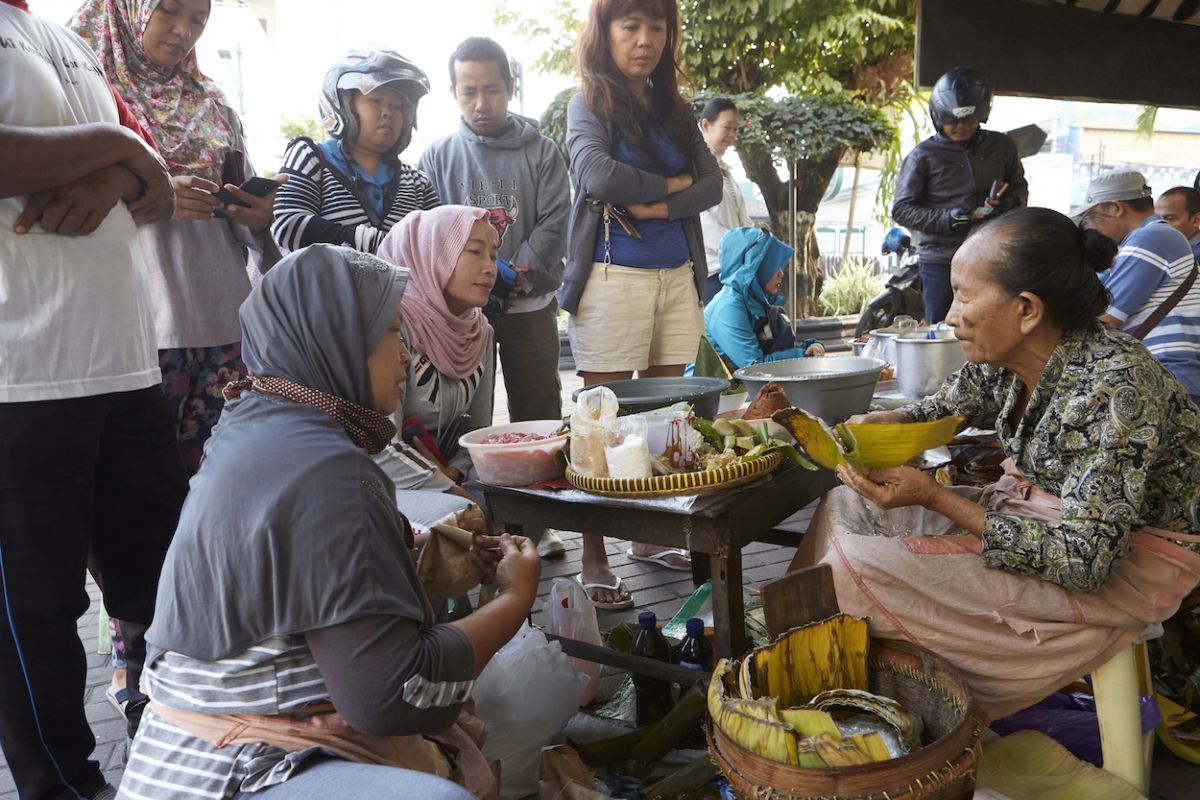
(259, 187)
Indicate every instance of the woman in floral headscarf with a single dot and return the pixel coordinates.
(197, 260)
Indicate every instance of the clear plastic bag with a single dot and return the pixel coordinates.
(592, 429)
(526, 694)
(571, 613)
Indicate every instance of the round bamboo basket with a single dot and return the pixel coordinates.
(943, 768)
(698, 482)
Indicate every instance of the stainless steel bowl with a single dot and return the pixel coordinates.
(832, 388)
(922, 364)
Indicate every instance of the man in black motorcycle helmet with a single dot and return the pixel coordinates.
(957, 178)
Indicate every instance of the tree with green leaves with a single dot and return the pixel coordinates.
(813, 79)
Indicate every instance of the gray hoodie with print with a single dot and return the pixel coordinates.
(521, 179)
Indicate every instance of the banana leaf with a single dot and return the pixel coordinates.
(708, 363)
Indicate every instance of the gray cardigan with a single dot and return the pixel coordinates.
(599, 176)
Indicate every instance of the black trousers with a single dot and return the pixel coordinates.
(99, 475)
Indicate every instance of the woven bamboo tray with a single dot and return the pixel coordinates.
(942, 769)
(680, 483)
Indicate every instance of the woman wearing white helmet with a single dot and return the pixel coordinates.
(352, 188)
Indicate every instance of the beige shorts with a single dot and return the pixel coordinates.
(630, 319)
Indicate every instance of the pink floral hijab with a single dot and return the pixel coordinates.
(181, 108)
(429, 244)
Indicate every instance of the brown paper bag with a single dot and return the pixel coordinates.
(564, 776)
(446, 567)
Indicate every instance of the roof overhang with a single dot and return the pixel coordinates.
(1123, 51)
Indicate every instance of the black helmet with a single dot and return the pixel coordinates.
(367, 70)
(960, 94)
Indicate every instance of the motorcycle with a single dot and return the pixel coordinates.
(902, 294)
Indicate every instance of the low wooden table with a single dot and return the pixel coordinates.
(713, 527)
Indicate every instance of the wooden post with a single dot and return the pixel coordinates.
(853, 202)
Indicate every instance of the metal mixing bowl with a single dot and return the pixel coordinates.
(832, 388)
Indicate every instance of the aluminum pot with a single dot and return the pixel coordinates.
(832, 387)
(882, 341)
(923, 363)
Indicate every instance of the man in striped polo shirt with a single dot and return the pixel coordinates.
(1153, 261)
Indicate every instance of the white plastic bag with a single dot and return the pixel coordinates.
(592, 429)
(571, 613)
(526, 694)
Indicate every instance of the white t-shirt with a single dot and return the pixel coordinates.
(75, 315)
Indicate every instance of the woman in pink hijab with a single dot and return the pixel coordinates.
(450, 252)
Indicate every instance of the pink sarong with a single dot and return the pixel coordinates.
(1016, 638)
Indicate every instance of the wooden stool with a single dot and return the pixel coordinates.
(1118, 685)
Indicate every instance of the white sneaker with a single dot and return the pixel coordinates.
(550, 545)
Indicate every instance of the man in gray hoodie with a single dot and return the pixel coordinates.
(499, 161)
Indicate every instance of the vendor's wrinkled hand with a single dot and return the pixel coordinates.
(194, 197)
(894, 487)
(815, 349)
(519, 567)
(259, 215)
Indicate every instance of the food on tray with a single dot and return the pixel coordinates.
(593, 427)
(513, 437)
(517, 454)
(865, 446)
(669, 437)
(729, 441)
(769, 399)
(888, 373)
(629, 459)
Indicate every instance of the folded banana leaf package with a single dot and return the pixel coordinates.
(864, 446)
(709, 364)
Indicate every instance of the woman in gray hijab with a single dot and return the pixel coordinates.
(293, 653)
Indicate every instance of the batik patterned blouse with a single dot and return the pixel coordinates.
(1109, 431)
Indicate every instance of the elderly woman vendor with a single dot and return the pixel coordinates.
(294, 652)
(1092, 533)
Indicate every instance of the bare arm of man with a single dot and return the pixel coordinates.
(37, 159)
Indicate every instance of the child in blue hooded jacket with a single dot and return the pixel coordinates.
(744, 321)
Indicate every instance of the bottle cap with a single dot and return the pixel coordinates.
(695, 627)
(647, 619)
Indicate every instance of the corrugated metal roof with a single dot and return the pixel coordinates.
(1187, 11)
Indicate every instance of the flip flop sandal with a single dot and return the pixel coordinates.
(551, 545)
(661, 559)
(118, 697)
(613, 587)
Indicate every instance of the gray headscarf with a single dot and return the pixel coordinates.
(289, 526)
(317, 316)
